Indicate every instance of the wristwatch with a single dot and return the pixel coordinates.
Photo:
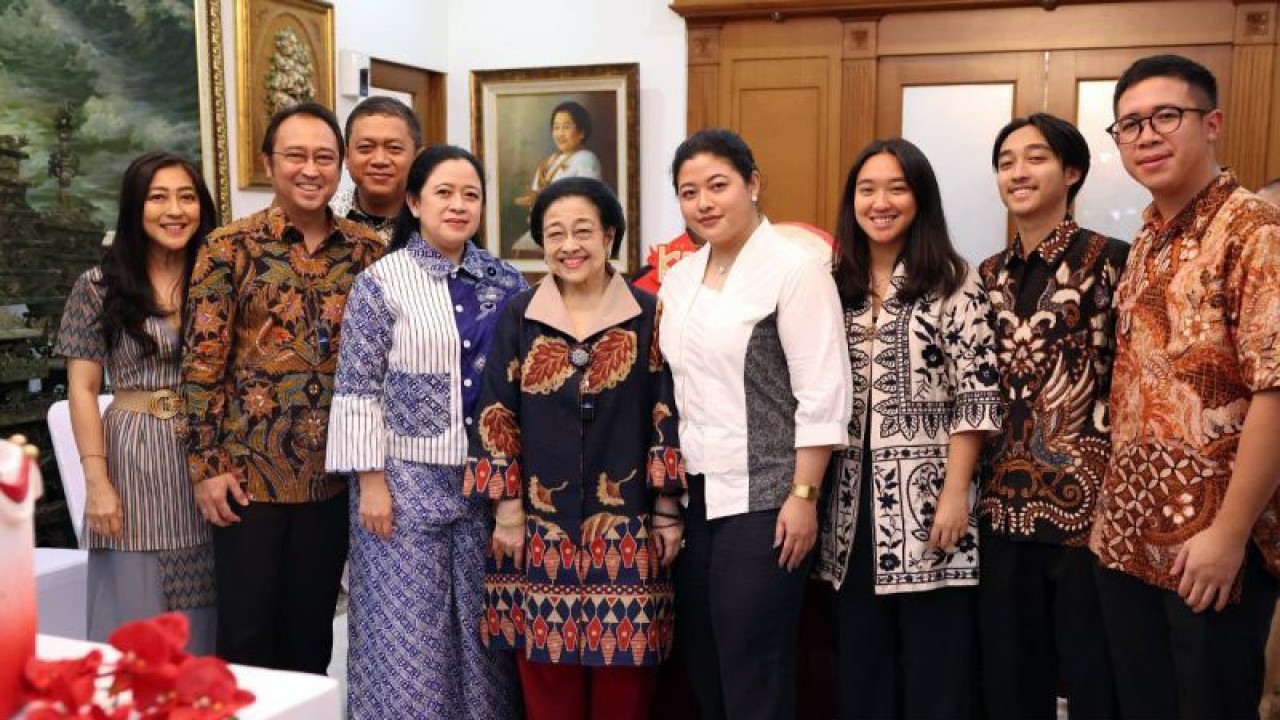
(804, 492)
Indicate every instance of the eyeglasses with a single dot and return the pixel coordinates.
(321, 159)
(582, 234)
(1165, 120)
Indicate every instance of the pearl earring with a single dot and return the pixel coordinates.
(755, 198)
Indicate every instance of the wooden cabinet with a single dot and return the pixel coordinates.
(809, 82)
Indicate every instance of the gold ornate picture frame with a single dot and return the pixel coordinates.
(213, 103)
(284, 55)
(512, 112)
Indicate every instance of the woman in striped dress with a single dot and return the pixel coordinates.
(149, 549)
(415, 336)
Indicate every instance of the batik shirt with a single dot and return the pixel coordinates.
(344, 204)
(1055, 326)
(926, 370)
(581, 427)
(1197, 333)
(260, 352)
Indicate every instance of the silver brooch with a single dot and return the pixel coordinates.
(580, 356)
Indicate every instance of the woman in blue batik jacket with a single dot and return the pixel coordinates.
(415, 337)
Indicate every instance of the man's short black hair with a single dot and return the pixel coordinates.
(391, 107)
(310, 109)
(1194, 74)
(1064, 140)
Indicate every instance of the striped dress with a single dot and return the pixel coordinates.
(163, 560)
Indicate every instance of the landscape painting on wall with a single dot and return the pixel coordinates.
(117, 78)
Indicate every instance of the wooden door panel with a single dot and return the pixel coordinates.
(780, 86)
(779, 107)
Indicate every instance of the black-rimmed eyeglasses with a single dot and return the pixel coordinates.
(1165, 120)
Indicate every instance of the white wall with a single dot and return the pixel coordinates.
(458, 36)
(411, 32)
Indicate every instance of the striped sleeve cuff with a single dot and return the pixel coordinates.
(357, 435)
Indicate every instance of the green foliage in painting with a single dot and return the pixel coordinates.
(127, 68)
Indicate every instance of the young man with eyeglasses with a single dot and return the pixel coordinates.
(1052, 288)
(260, 343)
(1188, 527)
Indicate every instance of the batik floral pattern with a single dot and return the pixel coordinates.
(1055, 343)
(1198, 332)
(926, 370)
(586, 449)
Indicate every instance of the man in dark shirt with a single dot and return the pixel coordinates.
(383, 138)
(1051, 291)
(264, 311)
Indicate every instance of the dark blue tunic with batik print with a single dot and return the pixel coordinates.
(583, 429)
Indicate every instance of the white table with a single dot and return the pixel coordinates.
(62, 586)
(280, 695)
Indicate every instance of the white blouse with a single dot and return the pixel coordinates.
(760, 368)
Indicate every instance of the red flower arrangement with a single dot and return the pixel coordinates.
(154, 678)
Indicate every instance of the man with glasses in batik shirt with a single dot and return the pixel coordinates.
(260, 349)
(1051, 289)
(1188, 531)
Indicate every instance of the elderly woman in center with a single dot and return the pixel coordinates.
(575, 442)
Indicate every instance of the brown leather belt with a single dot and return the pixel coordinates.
(160, 404)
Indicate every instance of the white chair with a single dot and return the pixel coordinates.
(62, 575)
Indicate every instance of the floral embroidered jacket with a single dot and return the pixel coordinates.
(261, 349)
(1197, 333)
(926, 371)
(583, 430)
(1055, 338)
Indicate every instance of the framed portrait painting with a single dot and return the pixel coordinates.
(285, 56)
(533, 126)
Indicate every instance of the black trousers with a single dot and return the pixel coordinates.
(1039, 620)
(737, 614)
(1173, 663)
(904, 655)
(278, 573)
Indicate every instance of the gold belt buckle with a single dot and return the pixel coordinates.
(163, 404)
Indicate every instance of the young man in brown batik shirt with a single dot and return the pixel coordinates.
(1187, 532)
(1051, 291)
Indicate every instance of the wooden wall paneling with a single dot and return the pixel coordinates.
(703, 99)
(1251, 103)
(1273, 154)
(1075, 26)
(1025, 70)
(1249, 109)
(780, 88)
(704, 76)
(858, 92)
(865, 8)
